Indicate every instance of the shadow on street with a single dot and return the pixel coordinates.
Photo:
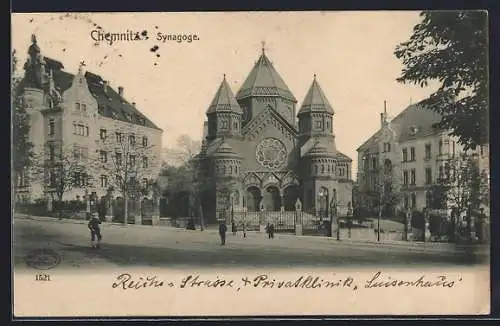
(128, 255)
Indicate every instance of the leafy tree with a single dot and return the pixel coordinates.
(184, 177)
(451, 48)
(22, 147)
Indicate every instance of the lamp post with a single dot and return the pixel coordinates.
(323, 195)
(232, 208)
(334, 218)
(381, 205)
(349, 218)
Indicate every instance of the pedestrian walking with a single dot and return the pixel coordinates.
(271, 230)
(190, 225)
(268, 230)
(234, 229)
(95, 231)
(222, 232)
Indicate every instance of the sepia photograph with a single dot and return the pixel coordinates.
(250, 163)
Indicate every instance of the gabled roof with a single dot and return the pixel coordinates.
(110, 103)
(413, 122)
(269, 111)
(224, 100)
(264, 80)
(315, 100)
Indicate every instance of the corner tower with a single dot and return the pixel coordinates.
(316, 117)
(320, 168)
(223, 114)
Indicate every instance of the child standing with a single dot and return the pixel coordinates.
(95, 231)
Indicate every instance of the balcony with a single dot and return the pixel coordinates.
(443, 156)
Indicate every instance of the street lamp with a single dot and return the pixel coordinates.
(323, 195)
(381, 204)
(334, 215)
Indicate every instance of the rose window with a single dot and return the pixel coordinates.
(271, 153)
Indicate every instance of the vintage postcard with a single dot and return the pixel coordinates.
(250, 164)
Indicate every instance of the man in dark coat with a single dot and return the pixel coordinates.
(271, 230)
(222, 232)
(234, 229)
(95, 231)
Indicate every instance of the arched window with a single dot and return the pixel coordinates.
(428, 199)
(236, 197)
(387, 166)
(413, 200)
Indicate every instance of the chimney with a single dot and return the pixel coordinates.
(105, 86)
(381, 120)
(120, 91)
(133, 104)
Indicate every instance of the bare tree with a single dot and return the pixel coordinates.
(186, 149)
(387, 193)
(61, 168)
(129, 162)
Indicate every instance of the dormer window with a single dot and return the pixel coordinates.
(413, 130)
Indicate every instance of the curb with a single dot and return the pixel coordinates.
(413, 246)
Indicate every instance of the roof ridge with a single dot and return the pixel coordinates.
(66, 78)
(270, 73)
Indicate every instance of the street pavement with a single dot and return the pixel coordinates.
(178, 248)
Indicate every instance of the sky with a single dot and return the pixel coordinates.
(350, 52)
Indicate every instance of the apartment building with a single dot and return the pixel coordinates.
(81, 118)
(413, 153)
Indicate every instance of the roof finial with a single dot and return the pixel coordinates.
(33, 38)
(314, 76)
(385, 107)
(263, 46)
(80, 67)
(224, 76)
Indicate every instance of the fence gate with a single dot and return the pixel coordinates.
(315, 223)
(147, 211)
(284, 222)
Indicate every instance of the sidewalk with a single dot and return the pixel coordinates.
(411, 246)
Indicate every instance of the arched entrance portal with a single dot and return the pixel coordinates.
(272, 200)
(290, 196)
(253, 197)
